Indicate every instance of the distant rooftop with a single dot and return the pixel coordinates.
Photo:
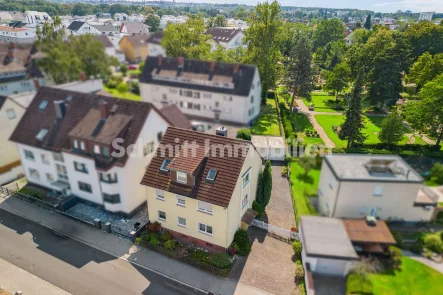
(385, 168)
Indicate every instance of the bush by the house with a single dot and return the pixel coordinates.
(398, 239)
(301, 289)
(153, 241)
(122, 88)
(299, 271)
(198, 255)
(437, 173)
(244, 133)
(284, 171)
(135, 87)
(165, 236)
(396, 257)
(433, 243)
(441, 235)
(242, 240)
(220, 260)
(258, 208)
(417, 247)
(124, 69)
(170, 245)
(297, 247)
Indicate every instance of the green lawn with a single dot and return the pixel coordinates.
(371, 130)
(302, 186)
(126, 95)
(414, 278)
(267, 122)
(324, 102)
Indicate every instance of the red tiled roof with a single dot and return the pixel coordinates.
(228, 168)
(359, 231)
(178, 119)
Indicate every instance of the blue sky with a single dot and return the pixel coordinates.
(374, 5)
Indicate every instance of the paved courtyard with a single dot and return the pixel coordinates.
(329, 285)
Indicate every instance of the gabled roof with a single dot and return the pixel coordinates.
(136, 40)
(104, 40)
(223, 34)
(105, 28)
(134, 27)
(199, 71)
(78, 108)
(75, 25)
(176, 116)
(155, 38)
(228, 168)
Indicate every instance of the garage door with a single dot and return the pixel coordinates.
(331, 266)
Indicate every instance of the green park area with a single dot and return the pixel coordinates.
(324, 102)
(267, 122)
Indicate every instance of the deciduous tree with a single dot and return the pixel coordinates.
(337, 80)
(153, 21)
(392, 129)
(426, 69)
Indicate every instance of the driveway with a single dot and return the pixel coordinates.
(280, 211)
(268, 269)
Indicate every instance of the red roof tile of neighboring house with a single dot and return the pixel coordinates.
(178, 119)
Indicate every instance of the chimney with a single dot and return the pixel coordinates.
(83, 76)
(36, 84)
(159, 60)
(221, 131)
(60, 108)
(181, 62)
(212, 65)
(104, 110)
(10, 55)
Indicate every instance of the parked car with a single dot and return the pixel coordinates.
(132, 67)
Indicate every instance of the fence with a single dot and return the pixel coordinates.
(284, 233)
(8, 190)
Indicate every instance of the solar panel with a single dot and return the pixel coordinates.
(43, 105)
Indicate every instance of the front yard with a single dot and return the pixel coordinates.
(126, 95)
(414, 278)
(302, 186)
(267, 121)
(324, 102)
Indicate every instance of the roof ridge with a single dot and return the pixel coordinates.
(212, 135)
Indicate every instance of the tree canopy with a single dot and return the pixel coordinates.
(153, 21)
(392, 129)
(426, 69)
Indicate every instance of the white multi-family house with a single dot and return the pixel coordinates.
(82, 145)
(81, 28)
(133, 28)
(121, 17)
(226, 37)
(154, 47)
(17, 34)
(383, 186)
(200, 189)
(170, 19)
(111, 49)
(203, 89)
(36, 17)
(139, 18)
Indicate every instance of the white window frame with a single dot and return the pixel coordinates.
(82, 145)
(248, 175)
(158, 215)
(378, 191)
(243, 204)
(204, 204)
(34, 173)
(180, 224)
(160, 195)
(11, 114)
(75, 143)
(181, 201)
(180, 175)
(97, 149)
(206, 229)
(45, 159)
(29, 155)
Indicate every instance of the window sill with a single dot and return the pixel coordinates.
(205, 212)
(205, 233)
(181, 225)
(181, 205)
(161, 219)
(81, 171)
(160, 199)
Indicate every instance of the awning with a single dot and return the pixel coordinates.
(249, 216)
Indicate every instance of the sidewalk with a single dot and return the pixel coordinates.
(121, 248)
(13, 279)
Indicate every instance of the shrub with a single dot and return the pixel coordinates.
(441, 235)
(145, 236)
(170, 245)
(396, 257)
(417, 247)
(284, 170)
(233, 249)
(124, 69)
(433, 243)
(153, 241)
(135, 87)
(398, 239)
(138, 241)
(220, 260)
(141, 66)
(242, 240)
(122, 88)
(297, 247)
(244, 133)
(302, 289)
(258, 208)
(198, 255)
(166, 236)
(437, 173)
(111, 84)
(299, 271)
(287, 160)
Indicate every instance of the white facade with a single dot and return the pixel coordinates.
(41, 169)
(13, 87)
(120, 17)
(17, 35)
(156, 50)
(170, 19)
(208, 105)
(36, 17)
(235, 42)
(426, 16)
(270, 147)
(357, 199)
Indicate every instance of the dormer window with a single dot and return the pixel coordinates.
(82, 145)
(75, 144)
(164, 166)
(211, 175)
(97, 149)
(182, 177)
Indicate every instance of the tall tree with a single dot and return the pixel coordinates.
(426, 69)
(263, 38)
(424, 37)
(153, 21)
(426, 114)
(327, 31)
(368, 22)
(220, 21)
(392, 129)
(50, 32)
(187, 40)
(338, 78)
(299, 73)
(353, 124)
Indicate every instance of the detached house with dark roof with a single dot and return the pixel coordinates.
(226, 37)
(77, 144)
(200, 187)
(203, 90)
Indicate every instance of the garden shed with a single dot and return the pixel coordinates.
(270, 147)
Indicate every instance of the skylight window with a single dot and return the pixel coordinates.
(164, 166)
(211, 175)
(41, 135)
(43, 105)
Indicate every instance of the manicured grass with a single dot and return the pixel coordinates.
(371, 130)
(324, 102)
(414, 278)
(302, 186)
(267, 122)
(126, 95)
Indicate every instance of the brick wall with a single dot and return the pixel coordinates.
(185, 239)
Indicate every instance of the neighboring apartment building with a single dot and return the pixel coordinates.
(134, 47)
(426, 16)
(203, 89)
(197, 190)
(154, 47)
(170, 19)
(111, 49)
(133, 28)
(65, 141)
(383, 186)
(36, 17)
(17, 35)
(226, 37)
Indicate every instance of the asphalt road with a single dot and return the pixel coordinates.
(73, 266)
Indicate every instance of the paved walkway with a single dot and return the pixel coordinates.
(428, 262)
(13, 279)
(121, 248)
(280, 211)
